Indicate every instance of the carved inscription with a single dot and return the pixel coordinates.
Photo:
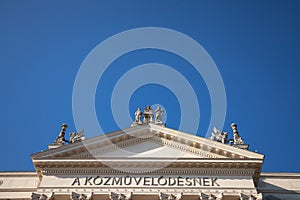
(145, 181)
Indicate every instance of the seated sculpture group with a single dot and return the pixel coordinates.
(148, 115)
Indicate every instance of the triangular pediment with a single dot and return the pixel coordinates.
(147, 148)
(147, 141)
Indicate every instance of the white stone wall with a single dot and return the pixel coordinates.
(18, 185)
(283, 186)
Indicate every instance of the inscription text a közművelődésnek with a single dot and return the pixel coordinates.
(145, 181)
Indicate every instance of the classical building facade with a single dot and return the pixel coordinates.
(148, 161)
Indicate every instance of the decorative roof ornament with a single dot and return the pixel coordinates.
(222, 137)
(219, 136)
(236, 137)
(138, 116)
(61, 136)
(77, 137)
(148, 115)
(158, 115)
(60, 139)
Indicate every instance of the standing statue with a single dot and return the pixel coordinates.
(158, 114)
(138, 115)
(148, 115)
(61, 137)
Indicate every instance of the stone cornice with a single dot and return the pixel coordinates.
(175, 161)
(150, 163)
(166, 171)
(280, 175)
(18, 174)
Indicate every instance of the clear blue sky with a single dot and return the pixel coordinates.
(255, 45)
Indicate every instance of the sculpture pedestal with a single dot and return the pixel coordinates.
(160, 123)
(53, 146)
(241, 146)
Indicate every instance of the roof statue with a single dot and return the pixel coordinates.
(77, 137)
(158, 115)
(222, 137)
(74, 137)
(148, 116)
(219, 136)
(138, 116)
(61, 136)
(236, 137)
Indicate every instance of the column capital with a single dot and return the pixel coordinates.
(77, 196)
(119, 196)
(37, 196)
(163, 196)
(204, 196)
(251, 196)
